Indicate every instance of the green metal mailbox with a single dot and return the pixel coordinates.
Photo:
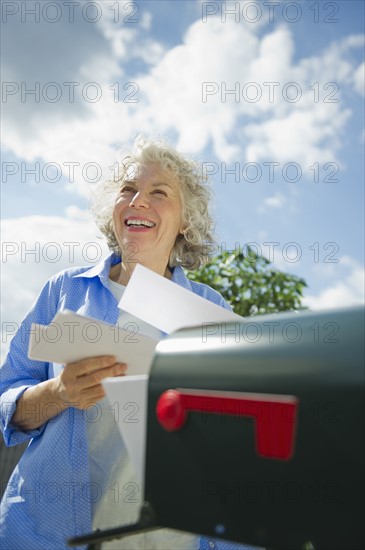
(255, 432)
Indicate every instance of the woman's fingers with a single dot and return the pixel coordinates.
(94, 378)
(80, 382)
(87, 366)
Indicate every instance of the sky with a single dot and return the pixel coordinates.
(267, 95)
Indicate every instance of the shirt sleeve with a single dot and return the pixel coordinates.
(18, 372)
(223, 303)
(219, 544)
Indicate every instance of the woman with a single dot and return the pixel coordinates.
(155, 213)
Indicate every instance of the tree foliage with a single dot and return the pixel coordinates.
(250, 285)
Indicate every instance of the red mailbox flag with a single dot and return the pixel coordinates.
(275, 415)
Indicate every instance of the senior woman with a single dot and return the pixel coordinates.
(75, 474)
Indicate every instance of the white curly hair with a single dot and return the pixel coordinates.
(191, 248)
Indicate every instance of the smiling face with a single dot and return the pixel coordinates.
(147, 216)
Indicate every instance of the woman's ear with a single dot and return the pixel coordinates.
(183, 228)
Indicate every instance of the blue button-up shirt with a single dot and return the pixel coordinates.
(47, 499)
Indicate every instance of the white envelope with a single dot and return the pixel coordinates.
(133, 428)
(168, 306)
(71, 337)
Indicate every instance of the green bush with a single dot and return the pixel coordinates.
(250, 285)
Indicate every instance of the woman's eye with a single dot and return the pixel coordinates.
(127, 190)
(159, 192)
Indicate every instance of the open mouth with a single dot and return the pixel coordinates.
(134, 222)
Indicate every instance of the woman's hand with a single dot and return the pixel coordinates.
(79, 384)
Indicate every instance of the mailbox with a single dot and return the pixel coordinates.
(255, 431)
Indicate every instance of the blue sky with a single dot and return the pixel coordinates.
(292, 129)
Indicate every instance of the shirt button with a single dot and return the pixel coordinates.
(211, 544)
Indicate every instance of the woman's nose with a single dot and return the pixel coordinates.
(140, 200)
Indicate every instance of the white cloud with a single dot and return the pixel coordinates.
(359, 79)
(37, 53)
(36, 247)
(75, 213)
(76, 62)
(275, 201)
(344, 293)
(304, 137)
(169, 96)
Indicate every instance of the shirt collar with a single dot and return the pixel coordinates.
(179, 277)
(102, 271)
